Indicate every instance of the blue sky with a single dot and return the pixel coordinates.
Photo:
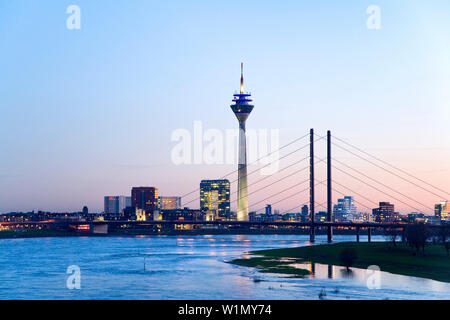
(90, 112)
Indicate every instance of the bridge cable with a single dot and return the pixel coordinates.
(254, 162)
(389, 171)
(256, 170)
(284, 191)
(392, 166)
(369, 185)
(380, 183)
(271, 184)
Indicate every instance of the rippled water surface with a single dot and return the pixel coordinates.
(183, 267)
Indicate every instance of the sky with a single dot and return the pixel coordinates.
(91, 112)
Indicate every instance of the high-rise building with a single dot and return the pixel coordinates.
(321, 216)
(183, 214)
(169, 203)
(215, 197)
(442, 211)
(385, 213)
(145, 198)
(305, 210)
(416, 217)
(115, 204)
(344, 208)
(242, 109)
(359, 217)
(268, 209)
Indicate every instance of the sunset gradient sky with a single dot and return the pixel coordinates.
(90, 112)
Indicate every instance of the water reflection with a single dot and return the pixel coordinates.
(360, 276)
(184, 267)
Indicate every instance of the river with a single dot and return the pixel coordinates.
(183, 267)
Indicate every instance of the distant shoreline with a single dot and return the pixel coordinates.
(32, 233)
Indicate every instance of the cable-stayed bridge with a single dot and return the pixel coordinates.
(288, 185)
(300, 187)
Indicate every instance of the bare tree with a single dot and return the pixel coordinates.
(444, 235)
(417, 236)
(348, 257)
(392, 234)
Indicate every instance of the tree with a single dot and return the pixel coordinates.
(348, 257)
(392, 234)
(417, 236)
(444, 235)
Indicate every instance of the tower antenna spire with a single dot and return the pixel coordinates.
(242, 78)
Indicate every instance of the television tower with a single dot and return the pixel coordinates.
(242, 109)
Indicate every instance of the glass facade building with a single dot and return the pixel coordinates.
(385, 213)
(215, 197)
(169, 203)
(344, 208)
(115, 204)
(145, 198)
(442, 211)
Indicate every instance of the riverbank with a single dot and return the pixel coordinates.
(39, 233)
(435, 264)
(34, 233)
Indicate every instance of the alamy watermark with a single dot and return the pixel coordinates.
(73, 22)
(374, 20)
(215, 146)
(74, 279)
(373, 277)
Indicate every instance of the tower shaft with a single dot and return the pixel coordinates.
(242, 210)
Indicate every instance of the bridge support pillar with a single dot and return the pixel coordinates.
(312, 229)
(369, 234)
(330, 234)
(329, 188)
(312, 233)
(403, 235)
(330, 271)
(99, 228)
(357, 234)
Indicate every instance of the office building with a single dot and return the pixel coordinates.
(442, 211)
(169, 203)
(145, 198)
(416, 217)
(215, 197)
(344, 208)
(305, 210)
(385, 213)
(114, 205)
(182, 215)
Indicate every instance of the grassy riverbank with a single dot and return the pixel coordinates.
(435, 264)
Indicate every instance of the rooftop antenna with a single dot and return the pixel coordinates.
(242, 77)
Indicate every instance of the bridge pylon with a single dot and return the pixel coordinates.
(329, 189)
(312, 231)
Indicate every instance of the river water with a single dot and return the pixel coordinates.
(183, 267)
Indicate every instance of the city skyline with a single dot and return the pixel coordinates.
(80, 132)
(137, 164)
